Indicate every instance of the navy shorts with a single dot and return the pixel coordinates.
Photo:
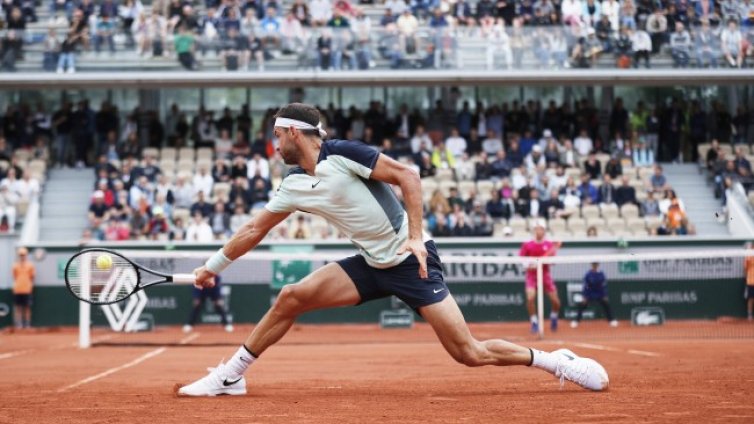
(22, 299)
(401, 280)
(203, 294)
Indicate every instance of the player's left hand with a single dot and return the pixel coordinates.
(204, 278)
(416, 246)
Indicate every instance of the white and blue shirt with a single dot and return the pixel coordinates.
(366, 211)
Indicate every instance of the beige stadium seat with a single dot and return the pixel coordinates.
(609, 210)
(577, 226)
(22, 155)
(595, 222)
(557, 225)
(603, 158)
(653, 222)
(497, 229)
(429, 184)
(445, 187)
(518, 224)
(168, 164)
(169, 174)
(615, 223)
(630, 172)
(220, 191)
(641, 195)
(151, 152)
(702, 149)
(465, 188)
(636, 224)
(204, 163)
(168, 153)
(37, 166)
(444, 174)
(573, 172)
(629, 210)
(726, 148)
(622, 232)
(645, 172)
(484, 186)
(186, 153)
(590, 211)
(185, 166)
(204, 153)
(183, 214)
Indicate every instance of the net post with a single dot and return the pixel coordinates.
(540, 299)
(84, 307)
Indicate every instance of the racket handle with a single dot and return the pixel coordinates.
(184, 278)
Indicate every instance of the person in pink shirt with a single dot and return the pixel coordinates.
(539, 247)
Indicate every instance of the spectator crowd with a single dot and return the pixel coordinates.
(404, 33)
(486, 169)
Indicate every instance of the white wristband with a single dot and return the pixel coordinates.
(217, 262)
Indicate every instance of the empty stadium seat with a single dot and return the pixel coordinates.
(465, 188)
(168, 153)
(445, 174)
(151, 152)
(629, 210)
(186, 153)
(590, 211)
(577, 226)
(220, 191)
(445, 187)
(183, 214)
(609, 210)
(204, 153)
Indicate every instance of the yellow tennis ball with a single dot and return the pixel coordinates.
(104, 262)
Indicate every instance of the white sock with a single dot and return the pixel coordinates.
(553, 315)
(239, 362)
(533, 318)
(544, 360)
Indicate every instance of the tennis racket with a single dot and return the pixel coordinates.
(102, 276)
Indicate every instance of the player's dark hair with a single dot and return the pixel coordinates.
(301, 112)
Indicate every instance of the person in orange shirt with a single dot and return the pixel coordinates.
(23, 282)
(749, 292)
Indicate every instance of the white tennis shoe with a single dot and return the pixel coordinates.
(585, 372)
(217, 382)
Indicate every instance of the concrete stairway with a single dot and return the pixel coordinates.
(701, 206)
(65, 203)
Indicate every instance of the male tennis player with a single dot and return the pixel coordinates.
(539, 247)
(346, 182)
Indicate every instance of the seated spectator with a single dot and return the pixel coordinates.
(201, 206)
(141, 195)
(105, 29)
(238, 219)
(625, 193)
(556, 207)
(706, 46)
(583, 143)
(407, 25)
(461, 228)
(569, 157)
(680, 46)
(588, 194)
(97, 210)
(442, 157)
(591, 231)
(157, 227)
(731, 43)
(235, 54)
(455, 199)
(441, 228)
(535, 159)
(552, 153)
(534, 206)
(270, 27)
(78, 33)
(604, 32)
(607, 192)
(198, 230)
(675, 222)
(259, 194)
(455, 143)
(480, 220)
(624, 49)
(499, 208)
(338, 21)
(321, 11)
(658, 181)
(185, 46)
(642, 155)
(292, 33)
(499, 168)
(492, 144)
(641, 45)
(219, 221)
(587, 50)
(613, 167)
(593, 167)
(300, 230)
(670, 199)
(419, 140)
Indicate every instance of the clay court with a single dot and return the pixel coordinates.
(349, 373)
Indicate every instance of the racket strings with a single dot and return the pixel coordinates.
(103, 282)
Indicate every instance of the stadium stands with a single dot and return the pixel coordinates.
(258, 35)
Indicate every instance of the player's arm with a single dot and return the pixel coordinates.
(554, 249)
(393, 172)
(245, 239)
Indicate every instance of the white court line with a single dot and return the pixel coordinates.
(642, 353)
(16, 353)
(136, 361)
(596, 347)
(188, 338)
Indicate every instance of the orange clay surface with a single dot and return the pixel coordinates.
(681, 372)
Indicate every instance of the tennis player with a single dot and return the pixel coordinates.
(347, 183)
(540, 247)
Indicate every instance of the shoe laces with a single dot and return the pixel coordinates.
(572, 370)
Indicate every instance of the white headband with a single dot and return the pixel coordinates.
(301, 125)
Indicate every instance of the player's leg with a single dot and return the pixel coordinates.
(447, 320)
(531, 296)
(327, 287)
(27, 314)
(608, 312)
(552, 293)
(750, 308)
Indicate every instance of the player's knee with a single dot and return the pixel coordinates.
(467, 354)
(288, 301)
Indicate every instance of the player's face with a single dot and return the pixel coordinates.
(287, 146)
(539, 233)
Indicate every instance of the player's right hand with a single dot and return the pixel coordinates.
(204, 278)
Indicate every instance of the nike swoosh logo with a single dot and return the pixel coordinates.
(317, 183)
(227, 383)
(569, 356)
(438, 291)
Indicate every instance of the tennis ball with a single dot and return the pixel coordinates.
(104, 262)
